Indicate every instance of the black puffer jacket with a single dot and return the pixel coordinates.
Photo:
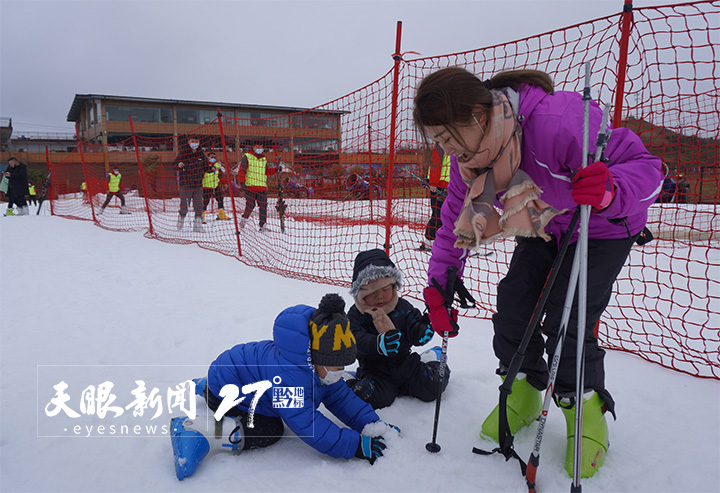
(18, 180)
(195, 167)
(405, 317)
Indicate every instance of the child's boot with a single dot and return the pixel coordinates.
(200, 384)
(180, 222)
(523, 407)
(197, 225)
(432, 354)
(192, 440)
(595, 434)
(203, 217)
(222, 216)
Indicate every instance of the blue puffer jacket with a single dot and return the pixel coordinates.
(285, 362)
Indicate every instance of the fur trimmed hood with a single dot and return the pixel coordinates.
(371, 266)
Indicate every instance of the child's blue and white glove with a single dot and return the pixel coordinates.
(388, 343)
(370, 448)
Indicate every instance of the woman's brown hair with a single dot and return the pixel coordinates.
(451, 95)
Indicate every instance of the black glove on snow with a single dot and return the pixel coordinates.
(370, 448)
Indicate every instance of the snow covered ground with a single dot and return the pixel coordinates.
(85, 306)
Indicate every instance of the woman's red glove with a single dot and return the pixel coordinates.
(593, 186)
(440, 320)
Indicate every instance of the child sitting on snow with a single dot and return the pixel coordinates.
(386, 327)
(304, 364)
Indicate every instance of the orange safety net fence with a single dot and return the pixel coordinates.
(341, 181)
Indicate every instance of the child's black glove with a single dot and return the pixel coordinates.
(424, 331)
(370, 448)
(388, 343)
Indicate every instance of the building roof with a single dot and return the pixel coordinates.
(80, 100)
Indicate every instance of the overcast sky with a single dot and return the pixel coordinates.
(285, 53)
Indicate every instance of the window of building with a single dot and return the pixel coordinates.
(304, 120)
(138, 114)
(185, 115)
(207, 116)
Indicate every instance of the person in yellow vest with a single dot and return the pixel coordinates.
(114, 179)
(32, 194)
(84, 190)
(254, 165)
(438, 178)
(211, 186)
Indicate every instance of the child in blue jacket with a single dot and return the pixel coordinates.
(256, 388)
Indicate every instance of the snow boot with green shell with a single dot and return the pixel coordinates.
(595, 433)
(523, 407)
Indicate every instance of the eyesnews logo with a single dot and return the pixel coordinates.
(288, 397)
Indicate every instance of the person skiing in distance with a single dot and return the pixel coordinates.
(211, 187)
(191, 165)
(114, 189)
(305, 359)
(386, 327)
(254, 165)
(16, 174)
(518, 145)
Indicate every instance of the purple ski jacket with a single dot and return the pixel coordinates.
(552, 147)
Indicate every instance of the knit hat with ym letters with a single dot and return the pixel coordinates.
(331, 341)
(373, 270)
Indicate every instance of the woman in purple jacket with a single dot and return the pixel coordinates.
(516, 147)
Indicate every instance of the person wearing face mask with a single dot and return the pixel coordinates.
(518, 145)
(305, 361)
(191, 165)
(113, 180)
(254, 166)
(386, 328)
(211, 187)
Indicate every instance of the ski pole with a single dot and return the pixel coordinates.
(534, 461)
(582, 252)
(434, 447)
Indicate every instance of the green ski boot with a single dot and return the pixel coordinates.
(523, 407)
(594, 436)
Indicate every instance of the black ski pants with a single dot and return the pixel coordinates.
(380, 386)
(110, 195)
(209, 193)
(253, 197)
(186, 195)
(266, 430)
(436, 201)
(518, 294)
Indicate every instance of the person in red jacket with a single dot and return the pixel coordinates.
(438, 177)
(254, 166)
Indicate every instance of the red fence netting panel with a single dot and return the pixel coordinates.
(337, 192)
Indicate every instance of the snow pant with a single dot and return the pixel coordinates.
(436, 201)
(380, 386)
(110, 195)
(32, 200)
(251, 198)
(209, 193)
(194, 194)
(17, 199)
(518, 294)
(266, 430)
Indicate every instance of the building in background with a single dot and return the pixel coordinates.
(105, 120)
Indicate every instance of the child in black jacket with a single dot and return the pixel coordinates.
(386, 327)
